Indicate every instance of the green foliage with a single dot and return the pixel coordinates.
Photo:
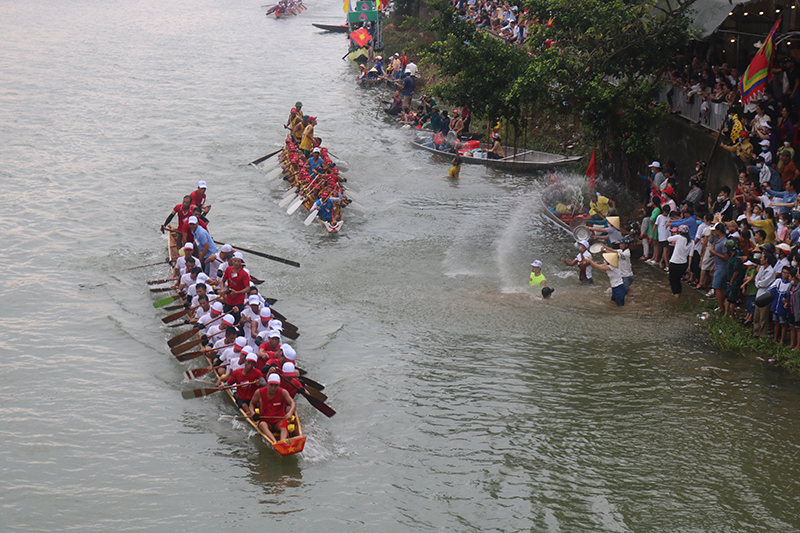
(600, 59)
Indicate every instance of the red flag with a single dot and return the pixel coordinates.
(591, 171)
(361, 37)
(759, 72)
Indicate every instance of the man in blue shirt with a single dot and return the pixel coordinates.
(690, 221)
(203, 243)
(379, 65)
(408, 90)
(785, 199)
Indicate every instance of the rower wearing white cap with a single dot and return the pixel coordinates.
(229, 338)
(250, 314)
(248, 374)
(180, 263)
(203, 242)
(537, 278)
(191, 290)
(225, 355)
(202, 289)
(583, 260)
(218, 264)
(266, 322)
(270, 346)
(216, 309)
(199, 197)
(275, 406)
(215, 332)
(287, 353)
(190, 278)
(289, 381)
(236, 281)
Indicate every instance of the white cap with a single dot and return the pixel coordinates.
(251, 357)
(288, 368)
(396, 54)
(316, 149)
(271, 334)
(584, 243)
(266, 313)
(192, 219)
(226, 248)
(253, 300)
(189, 246)
(288, 352)
(537, 263)
(765, 142)
(218, 307)
(238, 255)
(275, 324)
(228, 319)
(273, 378)
(655, 164)
(240, 342)
(201, 184)
(202, 277)
(378, 58)
(749, 263)
(248, 349)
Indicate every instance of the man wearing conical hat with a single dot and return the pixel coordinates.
(618, 288)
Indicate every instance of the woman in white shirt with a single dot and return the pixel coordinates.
(680, 258)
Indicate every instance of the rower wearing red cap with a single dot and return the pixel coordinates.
(325, 207)
(275, 407)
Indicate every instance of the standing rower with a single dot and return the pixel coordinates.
(199, 197)
(184, 211)
(206, 248)
(236, 281)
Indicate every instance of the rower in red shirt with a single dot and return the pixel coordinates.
(249, 373)
(201, 220)
(199, 197)
(184, 211)
(289, 379)
(237, 282)
(276, 406)
(268, 349)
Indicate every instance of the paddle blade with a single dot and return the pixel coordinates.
(159, 281)
(186, 347)
(271, 164)
(189, 356)
(320, 406)
(350, 193)
(161, 289)
(165, 301)
(355, 206)
(173, 307)
(295, 205)
(289, 199)
(180, 338)
(290, 446)
(311, 383)
(174, 316)
(290, 192)
(315, 393)
(198, 372)
(197, 393)
(311, 217)
(271, 175)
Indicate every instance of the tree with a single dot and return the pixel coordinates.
(599, 59)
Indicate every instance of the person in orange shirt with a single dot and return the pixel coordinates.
(789, 171)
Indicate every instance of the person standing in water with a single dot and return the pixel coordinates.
(583, 260)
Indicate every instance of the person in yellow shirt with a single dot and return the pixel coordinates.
(307, 142)
(767, 224)
(598, 207)
(455, 170)
(537, 278)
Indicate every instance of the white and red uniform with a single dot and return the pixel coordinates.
(272, 410)
(236, 281)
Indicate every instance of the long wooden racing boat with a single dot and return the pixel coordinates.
(296, 441)
(516, 160)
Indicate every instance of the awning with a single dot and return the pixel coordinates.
(707, 15)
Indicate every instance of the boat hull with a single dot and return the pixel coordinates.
(342, 28)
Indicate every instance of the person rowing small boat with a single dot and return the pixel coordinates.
(275, 406)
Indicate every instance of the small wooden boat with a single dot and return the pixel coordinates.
(518, 160)
(342, 28)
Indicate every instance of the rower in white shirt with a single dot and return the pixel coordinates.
(218, 262)
(214, 314)
(250, 314)
(201, 289)
(230, 354)
(180, 263)
(216, 331)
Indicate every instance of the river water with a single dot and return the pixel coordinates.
(464, 402)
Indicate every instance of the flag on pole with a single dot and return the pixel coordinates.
(759, 72)
(591, 171)
(361, 37)
(346, 6)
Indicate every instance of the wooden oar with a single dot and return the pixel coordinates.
(157, 281)
(308, 381)
(320, 406)
(317, 395)
(515, 155)
(162, 289)
(181, 337)
(172, 308)
(199, 393)
(265, 256)
(191, 355)
(200, 372)
(142, 266)
(262, 159)
(286, 323)
(186, 347)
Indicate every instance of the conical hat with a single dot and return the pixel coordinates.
(614, 221)
(612, 259)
